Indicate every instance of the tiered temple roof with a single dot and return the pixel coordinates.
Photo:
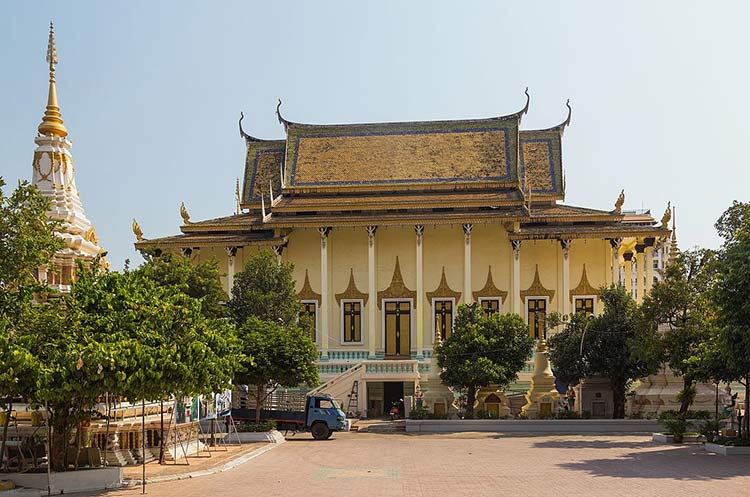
(402, 173)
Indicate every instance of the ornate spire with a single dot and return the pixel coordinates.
(52, 123)
(674, 250)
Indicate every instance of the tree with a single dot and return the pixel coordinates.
(680, 305)
(281, 356)
(265, 289)
(127, 335)
(197, 280)
(483, 351)
(731, 297)
(27, 241)
(266, 310)
(605, 345)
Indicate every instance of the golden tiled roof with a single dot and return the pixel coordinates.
(439, 152)
(541, 163)
(257, 238)
(263, 163)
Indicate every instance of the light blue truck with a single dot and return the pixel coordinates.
(321, 416)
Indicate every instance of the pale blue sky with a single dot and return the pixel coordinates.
(151, 92)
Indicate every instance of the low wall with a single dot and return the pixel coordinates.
(570, 426)
(260, 436)
(83, 480)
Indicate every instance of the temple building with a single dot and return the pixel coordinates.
(391, 226)
(53, 174)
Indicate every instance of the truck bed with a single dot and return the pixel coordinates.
(291, 417)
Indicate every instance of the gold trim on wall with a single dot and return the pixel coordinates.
(307, 292)
(537, 289)
(584, 287)
(352, 292)
(443, 290)
(490, 290)
(397, 289)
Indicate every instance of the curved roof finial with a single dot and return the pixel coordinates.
(528, 101)
(282, 121)
(570, 112)
(242, 132)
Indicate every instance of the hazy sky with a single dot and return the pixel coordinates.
(151, 92)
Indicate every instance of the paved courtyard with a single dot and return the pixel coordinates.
(392, 465)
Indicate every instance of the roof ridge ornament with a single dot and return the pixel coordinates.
(667, 216)
(282, 121)
(244, 135)
(184, 213)
(619, 202)
(525, 109)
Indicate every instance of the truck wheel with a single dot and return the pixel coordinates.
(320, 431)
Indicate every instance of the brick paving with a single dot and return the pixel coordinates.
(478, 464)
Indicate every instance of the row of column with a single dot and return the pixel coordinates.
(643, 258)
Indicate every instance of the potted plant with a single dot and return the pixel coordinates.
(676, 425)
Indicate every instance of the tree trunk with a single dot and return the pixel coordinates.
(687, 398)
(746, 418)
(5, 431)
(258, 402)
(58, 443)
(618, 398)
(471, 397)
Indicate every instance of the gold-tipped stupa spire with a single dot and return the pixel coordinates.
(52, 123)
(674, 250)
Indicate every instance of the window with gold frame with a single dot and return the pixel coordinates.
(584, 305)
(309, 310)
(352, 322)
(443, 312)
(490, 306)
(537, 316)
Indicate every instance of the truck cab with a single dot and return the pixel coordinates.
(323, 416)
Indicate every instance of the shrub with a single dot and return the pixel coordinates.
(266, 425)
(710, 428)
(732, 441)
(675, 423)
(567, 415)
(419, 413)
(482, 414)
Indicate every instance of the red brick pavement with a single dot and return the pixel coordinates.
(394, 465)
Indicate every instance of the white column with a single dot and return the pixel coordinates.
(231, 253)
(628, 256)
(615, 243)
(419, 231)
(372, 299)
(362, 401)
(640, 274)
(516, 276)
(649, 268)
(324, 293)
(468, 298)
(565, 244)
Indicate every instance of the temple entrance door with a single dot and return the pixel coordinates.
(398, 329)
(393, 394)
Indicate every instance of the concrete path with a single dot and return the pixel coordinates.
(473, 464)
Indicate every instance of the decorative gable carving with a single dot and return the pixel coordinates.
(397, 289)
(307, 292)
(537, 289)
(490, 290)
(443, 290)
(352, 292)
(584, 287)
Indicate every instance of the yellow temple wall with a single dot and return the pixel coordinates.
(547, 255)
(348, 252)
(490, 247)
(392, 241)
(597, 256)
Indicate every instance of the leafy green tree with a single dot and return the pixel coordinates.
(127, 335)
(27, 241)
(198, 280)
(483, 351)
(677, 316)
(605, 344)
(281, 356)
(279, 346)
(731, 297)
(265, 289)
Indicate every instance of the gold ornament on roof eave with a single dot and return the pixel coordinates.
(443, 290)
(137, 231)
(90, 236)
(584, 287)
(397, 289)
(184, 213)
(490, 290)
(352, 292)
(667, 216)
(307, 293)
(620, 201)
(537, 289)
